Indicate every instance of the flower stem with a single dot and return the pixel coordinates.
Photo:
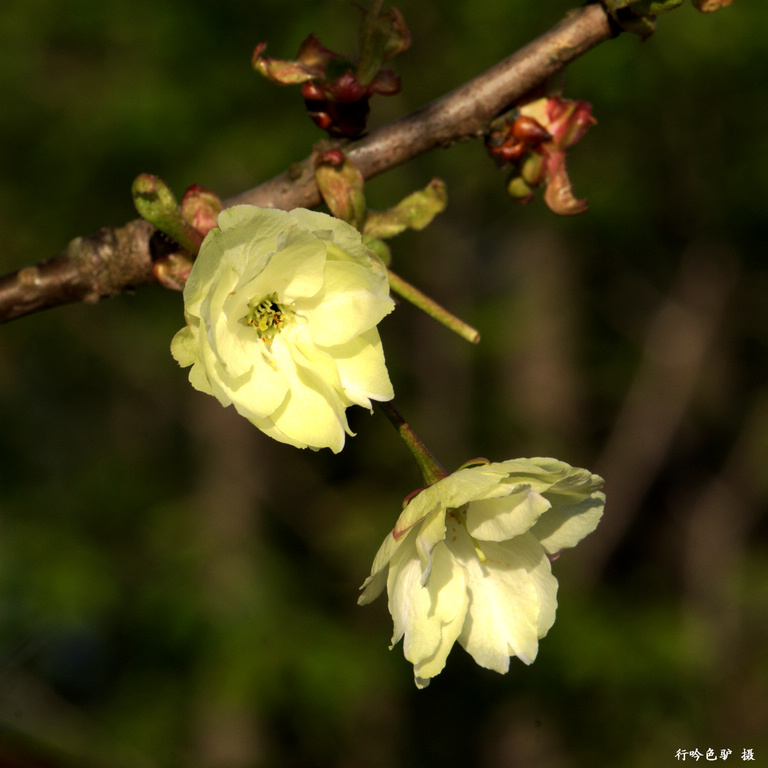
(431, 469)
(432, 308)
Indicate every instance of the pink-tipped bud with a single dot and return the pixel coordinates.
(201, 208)
(321, 119)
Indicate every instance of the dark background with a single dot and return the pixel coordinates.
(178, 590)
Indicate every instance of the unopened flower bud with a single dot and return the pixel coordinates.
(321, 119)
(201, 208)
(335, 89)
(530, 131)
(346, 89)
(312, 92)
(519, 189)
(535, 142)
(533, 169)
(173, 270)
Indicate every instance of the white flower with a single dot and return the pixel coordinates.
(469, 560)
(281, 311)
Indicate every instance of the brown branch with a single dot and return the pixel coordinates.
(113, 260)
(99, 266)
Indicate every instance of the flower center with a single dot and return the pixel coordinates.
(267, 316)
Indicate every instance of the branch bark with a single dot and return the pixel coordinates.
(113, 260)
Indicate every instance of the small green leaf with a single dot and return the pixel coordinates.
(413, 212)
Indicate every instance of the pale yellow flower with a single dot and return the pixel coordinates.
(281, 311)
(469, 560)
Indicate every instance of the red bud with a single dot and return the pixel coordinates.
(530, 131)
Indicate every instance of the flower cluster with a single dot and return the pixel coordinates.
(469, 560)
(281, 311)
(281, 316)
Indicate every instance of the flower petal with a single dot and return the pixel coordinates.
(512, 600)
(294, 270)
(564, 526)
(429, 534)
(184, 346)
(362, 369)
(244, 232)
(312, 413)
(344, 242)
(507, 517)
(429, 617)
(451, 492)
(349, 303)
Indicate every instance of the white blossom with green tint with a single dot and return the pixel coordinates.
(469, 560)
(281, 311)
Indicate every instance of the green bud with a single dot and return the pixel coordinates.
(519, 189)
(533, 169)
(155, 202)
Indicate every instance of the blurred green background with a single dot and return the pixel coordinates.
(177, 590)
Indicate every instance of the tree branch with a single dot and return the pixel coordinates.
(116, 259)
